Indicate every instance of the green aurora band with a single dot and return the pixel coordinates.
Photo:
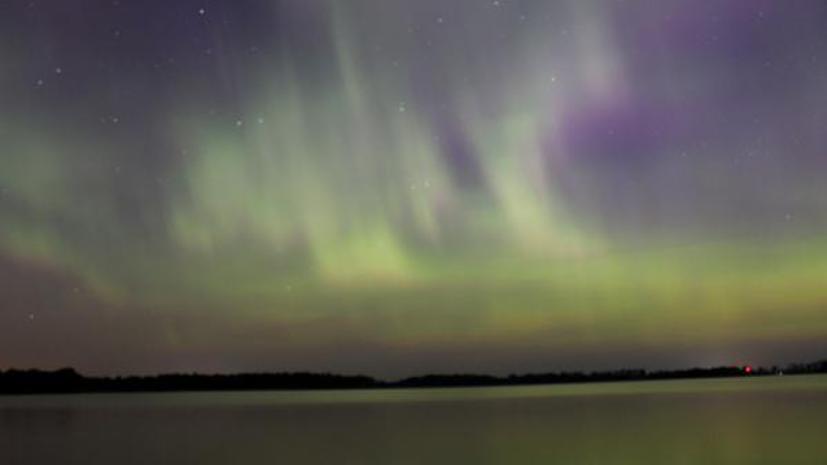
(340, 214)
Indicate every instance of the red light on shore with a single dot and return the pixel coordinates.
(747, 369)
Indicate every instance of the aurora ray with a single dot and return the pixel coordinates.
(396, 186)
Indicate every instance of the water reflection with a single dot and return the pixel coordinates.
(767, 420)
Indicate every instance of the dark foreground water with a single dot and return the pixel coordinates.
(777, 420)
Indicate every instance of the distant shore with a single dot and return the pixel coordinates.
(67, 380)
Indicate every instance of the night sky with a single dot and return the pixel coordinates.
(395, 187)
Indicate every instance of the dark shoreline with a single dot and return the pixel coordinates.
(69, 381)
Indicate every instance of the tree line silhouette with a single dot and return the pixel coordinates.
(67, 380)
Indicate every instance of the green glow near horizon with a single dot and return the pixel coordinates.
(325, 202)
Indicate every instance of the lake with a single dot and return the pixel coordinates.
(767, 420)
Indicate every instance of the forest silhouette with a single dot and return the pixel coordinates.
(68, 380)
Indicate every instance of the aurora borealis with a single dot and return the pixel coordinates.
(395, 186)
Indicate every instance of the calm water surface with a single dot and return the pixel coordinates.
(776, 420)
